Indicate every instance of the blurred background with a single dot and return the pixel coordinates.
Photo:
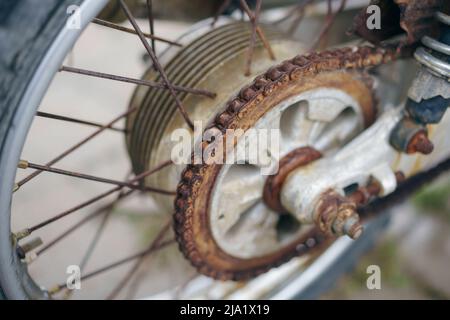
(414, 254)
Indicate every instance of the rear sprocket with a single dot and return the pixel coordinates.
(283, 87)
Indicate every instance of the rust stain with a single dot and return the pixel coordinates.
(397, 161)
(417, 166)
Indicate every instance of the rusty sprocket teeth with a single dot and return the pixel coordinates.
(301, 66)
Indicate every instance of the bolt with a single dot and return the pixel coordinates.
(420, 143)
(337, 215)
(363, 195)
(411, 137)
(347, 221)
(353, 228)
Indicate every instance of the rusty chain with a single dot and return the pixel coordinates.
(308, 65)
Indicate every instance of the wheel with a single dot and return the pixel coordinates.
(230, 221)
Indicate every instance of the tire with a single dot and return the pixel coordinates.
(24, 46)
(25, 49)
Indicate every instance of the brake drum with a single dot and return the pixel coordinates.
(211, 58)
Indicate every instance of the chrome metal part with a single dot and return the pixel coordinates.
(437, 61)
(427, 86)
(436, 65)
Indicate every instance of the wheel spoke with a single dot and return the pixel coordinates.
(128, 30)
(161, 245)
(151, 23)
(97, 235)
(223, 6)
(253, 19)
(147, 83)
(156, 64)
(107, 208)
(143, 253)
(329, 20)
(28, 231)
(151, 248)
(25, 165)
(135, 283)
(101, 228)
(298, 11)
(251, 47)
(74, 147)
(74, 120)
(300, 15)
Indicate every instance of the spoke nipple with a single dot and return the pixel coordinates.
(23, 164)
(22, 234)
(16, 187)
(67, 294)
(30, 245)
(337, 215)
(420, 143)
(55, 290)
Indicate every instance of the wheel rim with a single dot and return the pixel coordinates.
(14, 283)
